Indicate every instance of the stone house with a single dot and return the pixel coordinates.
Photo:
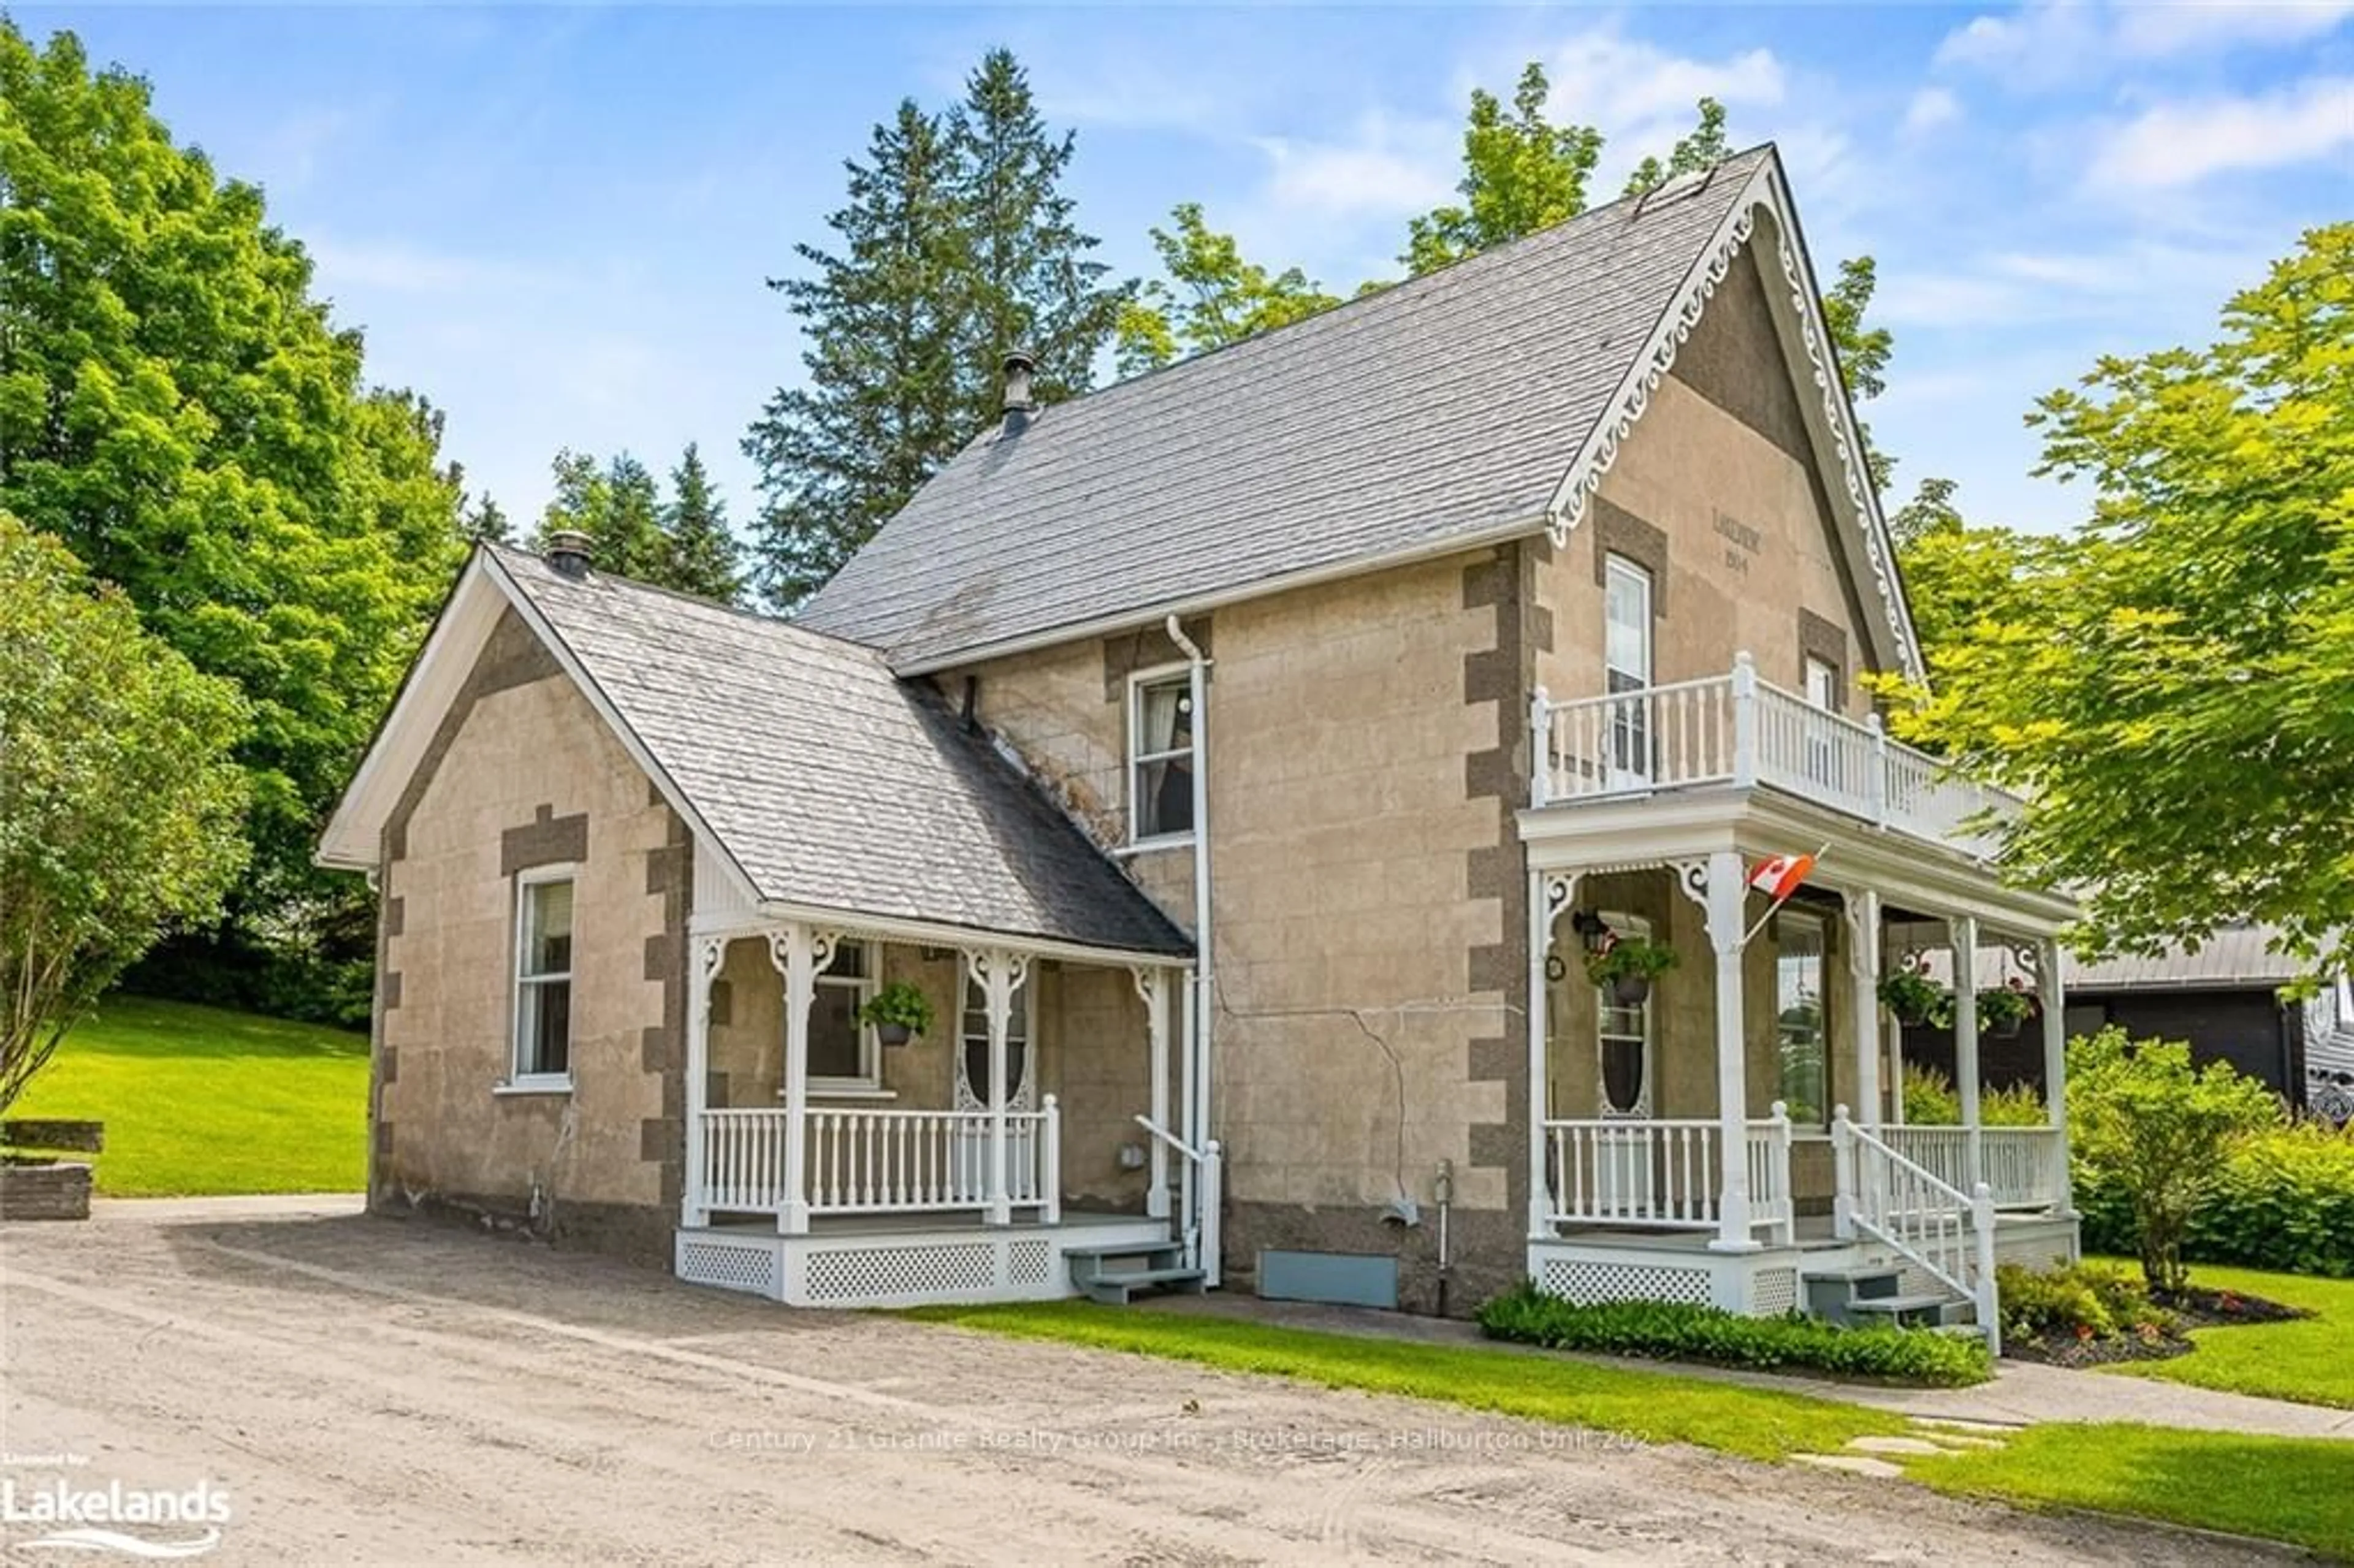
(1242, 760)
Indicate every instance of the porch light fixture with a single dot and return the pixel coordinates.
(1591, 929)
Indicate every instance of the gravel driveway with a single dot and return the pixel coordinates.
(369, 1390)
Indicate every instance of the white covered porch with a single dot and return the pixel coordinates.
(1787, 1158)
(822, 1168)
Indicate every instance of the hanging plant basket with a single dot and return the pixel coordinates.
(899, 1012)
(2002, 1010)
(1914, 997)
(1626, 966)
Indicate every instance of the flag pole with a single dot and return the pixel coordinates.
(1816, 857)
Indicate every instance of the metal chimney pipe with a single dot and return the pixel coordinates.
(1021, 365)
(570, 552)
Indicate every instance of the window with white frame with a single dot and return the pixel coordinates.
(1822, 683)
(843, 1051)
(543, 990)
(1802, 1028)
(1161, 756)
(972, 1068)
(1627, 666)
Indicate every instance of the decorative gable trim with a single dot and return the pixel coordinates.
(1835, 428)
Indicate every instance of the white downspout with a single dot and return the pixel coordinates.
(1206, 993)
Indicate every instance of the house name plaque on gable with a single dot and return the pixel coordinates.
(1741, 541)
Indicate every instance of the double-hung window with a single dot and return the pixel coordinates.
(543, 975)
(1161, 756)
(1823, 754)
(843, 1052)
(1627, 670)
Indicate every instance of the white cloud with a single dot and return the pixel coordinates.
(1387, 169)
(1623, 85)
(2153, 30)
(2048, 40)
(1931, 108)
(2179, 143)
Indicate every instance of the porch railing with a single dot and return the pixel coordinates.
(1664, 1174)
(2020, 1165)
(1948, 1232)
(1736, 729)
(865, 1161)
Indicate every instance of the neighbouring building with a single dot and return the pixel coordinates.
(1243, 761)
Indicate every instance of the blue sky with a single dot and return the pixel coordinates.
(556, 222)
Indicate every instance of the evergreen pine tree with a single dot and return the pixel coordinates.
(1030, 282)
(632, 543)
(704, 558)
(485, 522)
(881, 410)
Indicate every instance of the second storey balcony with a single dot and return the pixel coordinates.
(1737, 731)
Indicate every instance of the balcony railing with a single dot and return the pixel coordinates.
(1738, 730)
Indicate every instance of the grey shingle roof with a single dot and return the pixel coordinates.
(832, 783)
(1442, 406)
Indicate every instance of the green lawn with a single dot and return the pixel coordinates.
(1658, 1407)
(2310, 1359)
(196, 1100)
(2280, 1488)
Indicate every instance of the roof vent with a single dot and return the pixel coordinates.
(1020, 366)
(570, 552)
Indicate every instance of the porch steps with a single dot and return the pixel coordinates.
(1869, 1293)
(1117, 1275)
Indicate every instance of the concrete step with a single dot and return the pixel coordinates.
(1118, 1288)
(1913, 1311)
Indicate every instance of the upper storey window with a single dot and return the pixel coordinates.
(1161, 756)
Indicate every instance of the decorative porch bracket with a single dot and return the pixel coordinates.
(999, 973)
(799, 952)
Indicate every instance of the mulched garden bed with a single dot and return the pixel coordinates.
(2192, 1308)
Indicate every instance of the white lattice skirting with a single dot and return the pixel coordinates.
(897, 1269)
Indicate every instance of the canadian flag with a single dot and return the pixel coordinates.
(1781, 876)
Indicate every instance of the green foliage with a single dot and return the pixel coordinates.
(2141, 1117)
(955, 245)
(1958, 577)
(1914, 997)
(683, 543)
(2013, 1105)
(2310, 1359)
(1212, 297)
(1704, 148)
(198, 1101)
(120, 802)
(1673, 1330)
(2283, 1199)
(1631, 957)
(900, 1003)
(2082, 1301)
(1929, 1097)
(178, 407)
(2173, 690)
(1520, 173)
(2004, 1008)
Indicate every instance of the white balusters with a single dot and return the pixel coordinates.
(1659, 1173)
(882, 1162)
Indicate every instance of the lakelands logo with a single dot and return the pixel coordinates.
(167, 1523)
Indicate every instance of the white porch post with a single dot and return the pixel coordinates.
(1962, 934)
(2052, 997)
(1727, 889)
(1546, 893)
(1152, 985)
(704, 958)
(799, 951)
(998, 974)
(1863, 964)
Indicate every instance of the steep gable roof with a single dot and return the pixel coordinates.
(828, 782)
(1477, 402)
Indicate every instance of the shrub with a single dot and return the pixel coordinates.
(1673, 1331)
(2015, 1105)
(2284, 1200)
(1930, 1100)
(2163, 1132)
(2083, 1301)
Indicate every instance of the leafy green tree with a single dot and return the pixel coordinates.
(178, 406)
(1212, 298)
(120, 797)
(1704, 148)
(883, 405)
(1520, 173)
(617, 506)
(1029, 280)
(702, 556)
(485, 522)
(2142, 1120)
(2175, 696)
(1955, 576)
